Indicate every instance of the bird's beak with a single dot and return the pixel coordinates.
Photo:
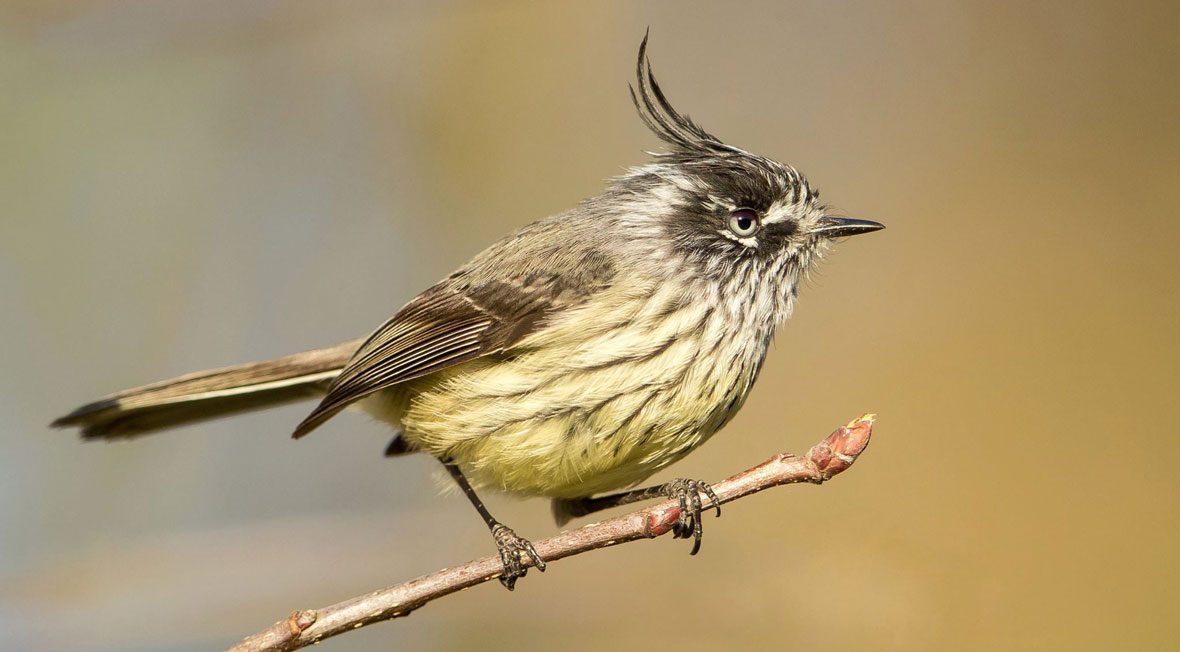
(837, 226)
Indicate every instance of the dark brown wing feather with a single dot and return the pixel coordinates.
(444, 326)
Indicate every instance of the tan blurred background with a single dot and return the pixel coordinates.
(191, 184)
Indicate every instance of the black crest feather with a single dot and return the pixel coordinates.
(671, 126)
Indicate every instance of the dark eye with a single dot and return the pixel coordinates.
(744, 222)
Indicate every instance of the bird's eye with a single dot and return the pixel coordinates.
(744, 222)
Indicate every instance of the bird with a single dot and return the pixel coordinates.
(575, 357)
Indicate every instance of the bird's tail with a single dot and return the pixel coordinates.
(210, 394)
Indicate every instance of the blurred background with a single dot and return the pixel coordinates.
(193, 184)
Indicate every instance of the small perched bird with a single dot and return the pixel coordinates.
(578, 355)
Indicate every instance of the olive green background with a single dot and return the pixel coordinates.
(192, 184)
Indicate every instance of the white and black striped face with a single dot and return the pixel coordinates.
(726, 212)
(729, 213)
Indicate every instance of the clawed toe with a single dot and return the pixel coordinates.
(688, 494)
(513, 550)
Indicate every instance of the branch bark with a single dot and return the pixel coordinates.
(304, 627)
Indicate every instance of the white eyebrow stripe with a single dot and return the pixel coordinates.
(778, 212)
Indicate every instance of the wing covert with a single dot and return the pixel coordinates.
(443, 326)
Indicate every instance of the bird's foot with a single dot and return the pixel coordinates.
(688, 494)
(513, 550)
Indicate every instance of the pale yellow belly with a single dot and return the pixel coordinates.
(596, 439)
(590, 412)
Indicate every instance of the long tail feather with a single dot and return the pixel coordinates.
(210, 394)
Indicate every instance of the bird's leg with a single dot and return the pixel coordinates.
(686, 492)
(513, 548)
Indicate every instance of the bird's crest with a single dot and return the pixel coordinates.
(674, 128)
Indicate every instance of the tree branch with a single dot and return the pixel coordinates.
(829, 457)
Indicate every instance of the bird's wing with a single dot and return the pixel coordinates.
(444, 326)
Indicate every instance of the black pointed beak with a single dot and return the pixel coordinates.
(836, 226)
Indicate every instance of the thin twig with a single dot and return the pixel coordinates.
(829, 457)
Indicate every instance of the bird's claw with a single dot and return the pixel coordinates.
(688, 494)
(513, 550)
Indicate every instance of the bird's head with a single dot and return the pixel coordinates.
(735, 215)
